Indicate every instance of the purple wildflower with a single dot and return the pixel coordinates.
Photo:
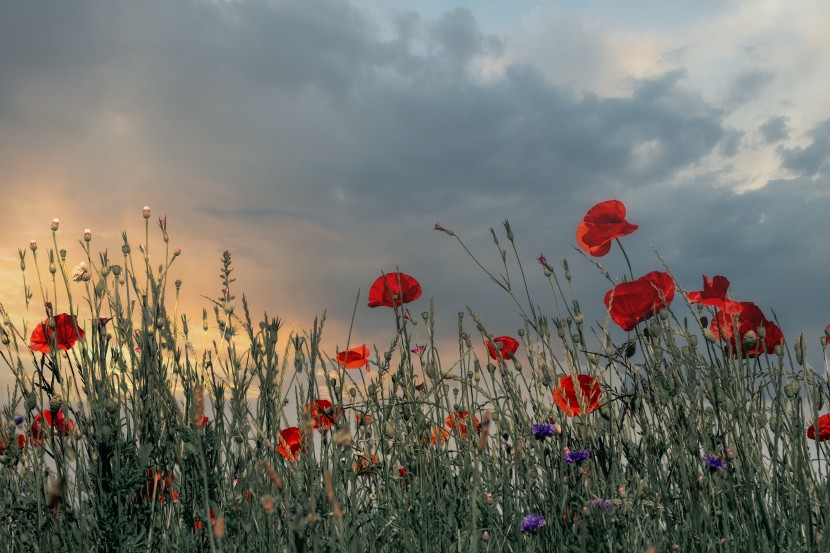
(542, 431)
(532, 524)
(576, 457)
(418, 350)
(598, 504)
(714, 462)
(542, 259)
(19, 420)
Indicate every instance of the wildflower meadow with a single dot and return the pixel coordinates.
(683, 421)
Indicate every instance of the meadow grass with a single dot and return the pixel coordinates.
(691, 447)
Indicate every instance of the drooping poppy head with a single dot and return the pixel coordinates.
(602, 224)
(748, 341)
(58, 424)
(823, 429)
(459, 422)
(631, 303)
(714, 295)
(323, 415)
(572, 402)
(507, 349)
(394, 289)
(66, 334)
(290, 443)
(355, 358)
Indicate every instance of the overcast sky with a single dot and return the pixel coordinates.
(321, 140)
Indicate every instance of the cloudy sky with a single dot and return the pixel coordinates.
(320, 141)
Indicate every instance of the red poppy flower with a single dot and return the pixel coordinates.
(21, 444)
(602, 224)
(323, 415)
(714, 295)
(633, 302)
(437, 435)
(823, 429)
(749, 319)
(508, 347)
(362, 419)
(290, 443)
(459, 420)
(394, 289)
(60, 425)
(160, 482)
(66, 334)
(355, 358)
(568, 400)
(197, 524)
(362, 466)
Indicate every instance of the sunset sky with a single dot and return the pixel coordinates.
(320, 140)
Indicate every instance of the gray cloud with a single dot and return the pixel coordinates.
(775, 129)
(811, 160)
(746, 87)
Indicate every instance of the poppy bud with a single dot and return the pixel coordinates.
(389, 430)
(33, 245)
(87, 235)
(146, 212)
(508, 229)
(55, 403)
(125, 249)
(704, 321)
(750, 338)
(761, 331)
(693, 341)
(791, 389)
(800, 349)
(521, 332)
(55, 224)
(709, 335)
(547, 272)
(664, 314)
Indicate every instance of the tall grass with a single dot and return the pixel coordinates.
(142, 471)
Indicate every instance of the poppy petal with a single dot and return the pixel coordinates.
(604, 223)
(394, 289)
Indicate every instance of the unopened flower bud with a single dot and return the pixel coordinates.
(146, 212)
(33, 245)
(87, 235)
(55, 224)
(55, 402)
(709, 335)
(663, 314)
(750, 338)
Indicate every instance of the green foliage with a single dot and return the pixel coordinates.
(140, 472)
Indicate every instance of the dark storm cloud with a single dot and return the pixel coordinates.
(309, 121)
(810, 160)
(775, 129)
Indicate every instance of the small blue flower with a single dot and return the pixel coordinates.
(542, 431)
(714, 462)
(576, 457)
(19, 420)
(532, 524)
(599, 504)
